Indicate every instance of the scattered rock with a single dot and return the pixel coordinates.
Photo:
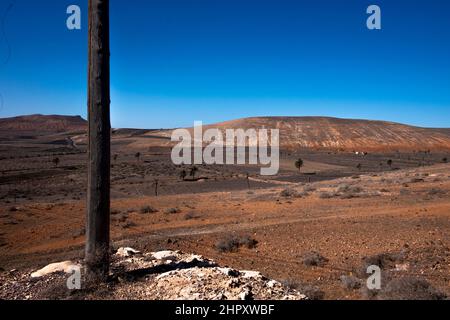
(65, 266)
(126, 252)
(79, 233)
(165, 255)
(246, 274)
(402, 267)
(184, 276)
(229, 272)
(246, 294)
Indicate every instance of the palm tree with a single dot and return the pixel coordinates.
(299, 164)
(389, 163)
(247, 175)
(183, 174)
(156, 182)
(55, 161)
(193, 171)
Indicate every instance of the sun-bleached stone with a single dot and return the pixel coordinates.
(65, 266)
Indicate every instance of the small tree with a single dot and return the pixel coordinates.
(389, 163)
(444, 160)
(55, 161)
(156, 182)
(183, 175)
(137, 155)
(115, 157)
(359, 166)
(193, 172)
(299, 164)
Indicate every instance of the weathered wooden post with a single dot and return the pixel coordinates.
(99, 134)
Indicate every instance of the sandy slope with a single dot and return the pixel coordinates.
(345, 134)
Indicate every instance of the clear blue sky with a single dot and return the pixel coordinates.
(176, 61)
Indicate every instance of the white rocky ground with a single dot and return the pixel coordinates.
(164, 275)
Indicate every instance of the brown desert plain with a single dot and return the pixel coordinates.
(313, 230)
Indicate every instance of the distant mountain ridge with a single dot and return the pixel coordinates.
(295, 132)
(346, 134)
(43, 123)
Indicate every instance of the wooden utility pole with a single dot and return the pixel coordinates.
(99, 135)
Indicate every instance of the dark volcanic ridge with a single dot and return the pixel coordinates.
(38, 123)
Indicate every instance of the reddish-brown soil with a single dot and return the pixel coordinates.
(342, 212)
(410, 219)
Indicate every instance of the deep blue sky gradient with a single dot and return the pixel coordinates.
(176, 61)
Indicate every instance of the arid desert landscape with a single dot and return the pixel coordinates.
(367, 193)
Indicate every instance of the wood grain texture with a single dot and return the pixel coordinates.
(99, 133)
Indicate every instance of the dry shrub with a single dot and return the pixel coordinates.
(436, 192)
(326, 195)
(405, 288)
(350, 282)
(384, 261)
(148, 209)
(172, 211)
(309, 189)
(311, 291)
(405, 192)
(347, 191)
(289, 193)
(119, 217)
(129, 224)
(410, 288)
(233, 243)
(314, 258)
(189, 216)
